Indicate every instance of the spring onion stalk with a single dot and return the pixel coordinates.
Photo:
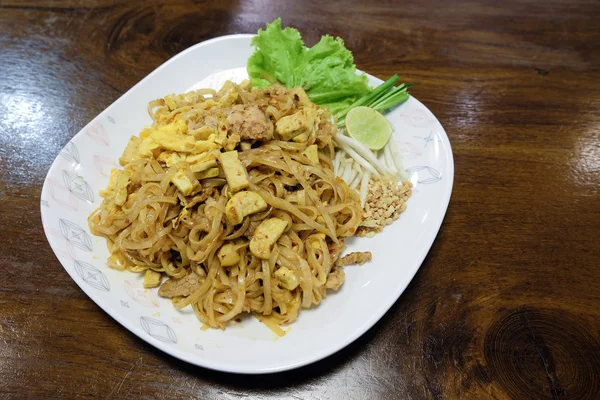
(370, 97)
(381, 98)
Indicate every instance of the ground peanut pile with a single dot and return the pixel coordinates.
(385, 202)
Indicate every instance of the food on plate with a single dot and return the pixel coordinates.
(239, 200)
(228, 202)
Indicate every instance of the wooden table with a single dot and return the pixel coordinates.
(507, 303)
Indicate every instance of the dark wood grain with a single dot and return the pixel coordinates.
(507, 303)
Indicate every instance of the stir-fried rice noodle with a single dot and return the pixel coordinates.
(151, 224)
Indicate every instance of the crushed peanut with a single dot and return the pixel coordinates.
(386, 200)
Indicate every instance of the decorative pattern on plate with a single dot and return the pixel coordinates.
(98, 134)
(158, 330)
(425, 175)
(408, 150)
(70, 153)
(61, 245)
(92, 276)
(418, 118)
(141, 295)
(432, 137)
(103, 164)
(78, 186)
(75, 235)
(62, 195)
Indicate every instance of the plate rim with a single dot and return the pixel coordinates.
(361, 329)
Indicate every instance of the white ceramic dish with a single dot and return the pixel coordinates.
(70, 193)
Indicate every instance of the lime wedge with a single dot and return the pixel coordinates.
(368, 127)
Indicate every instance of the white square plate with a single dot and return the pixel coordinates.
(70, 194)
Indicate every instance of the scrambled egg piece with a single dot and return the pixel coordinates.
(204, 165)
(121, 186)
(209, 173)
(235, 173)
(131, 151)
(242, 204)
(151, 279)
(172, 137)
(183, 183)
(266, 235)
(288, 279)
(171, 158)
(117, 186)
(169, 137)
(228, 256)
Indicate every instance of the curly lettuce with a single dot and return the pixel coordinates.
(325, 71)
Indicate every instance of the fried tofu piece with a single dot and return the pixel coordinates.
(266, 235)
(287, 277)
(298, 197)
(152, 279)
(242, 204)
(235, 173)
(312, 153)
(301, 122)
(227, 255)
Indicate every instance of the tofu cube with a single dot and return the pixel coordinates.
(228, 256)
(312, 153)
(242, 204)
(287, 277)
(235, 173)
(183, 183)
(296, 124)
(152, 279)
(266, 235)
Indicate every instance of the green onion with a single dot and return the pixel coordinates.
(382, 98)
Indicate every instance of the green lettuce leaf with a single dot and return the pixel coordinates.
(326, 71)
